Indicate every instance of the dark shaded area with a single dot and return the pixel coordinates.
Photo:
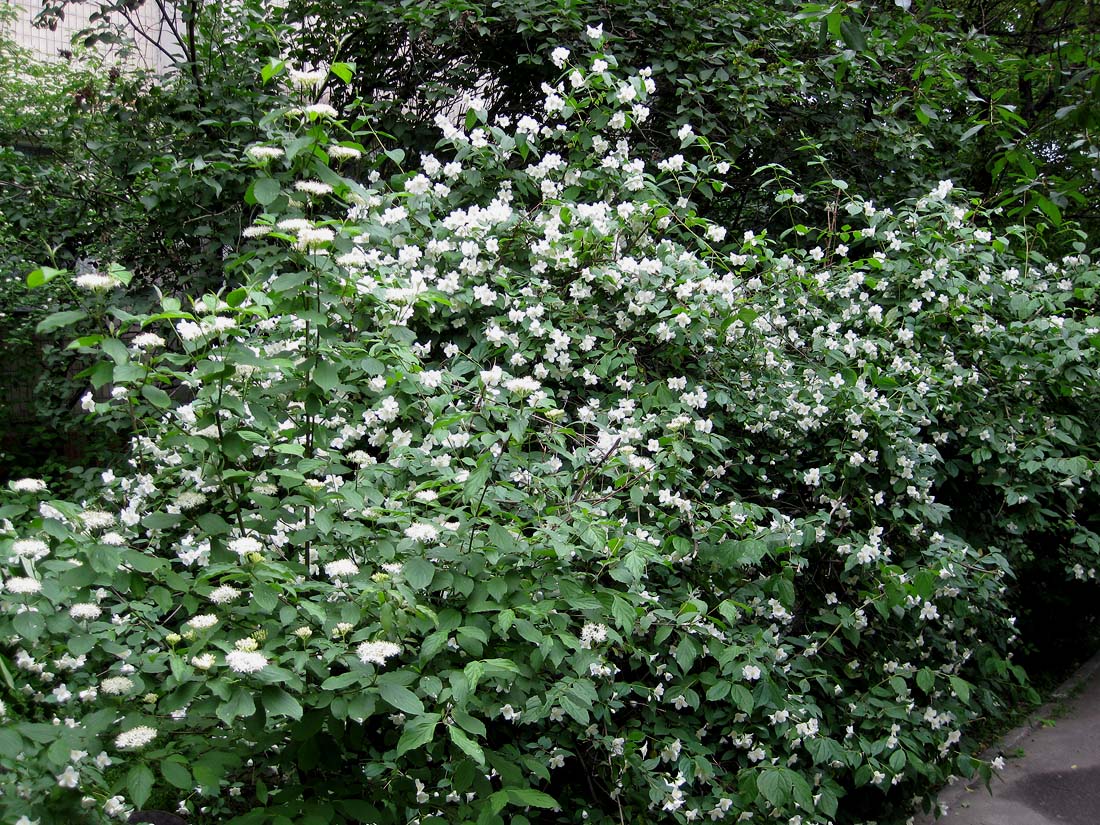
(155, 818)
(1072, 797)
(1059, 623)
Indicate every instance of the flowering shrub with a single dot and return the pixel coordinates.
(508, 488)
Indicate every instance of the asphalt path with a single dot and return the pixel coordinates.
(1052, 766)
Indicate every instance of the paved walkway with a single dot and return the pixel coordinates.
(1052, 770)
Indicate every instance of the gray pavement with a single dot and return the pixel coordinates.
(1052, 766)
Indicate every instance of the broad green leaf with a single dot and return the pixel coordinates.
(175, 771)
(273, 68)
(139, 783)
(344, 71)
(43, 275)
(115, 350)
(417, 732)
(925, 679)
(29, 625)
(961, 688)
(60, 319)
(277, 702)
(467, 745)
(326, 376)
(775, 786)
(401, 698)
(418, 572)
(156, 396)
(240, 704)
(266, 190)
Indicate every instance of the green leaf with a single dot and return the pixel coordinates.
(29, 625)
(175, 771)
(775, 786)
(43, 275)
(344, 71)
(10, 741)
(418, 572)
(266, 190)
(240, 704)
(417, 732)
(326, 375)
(139, 782)
(273, 68)
(529, 797)
(741, 697)
(277, 702)
(401, 698)
(925, 679)
(852, 35)
(467, 745)
(1050, 209)
(120, 274)
(156, 396)
(396, 155)
(60, 319)
(115, 350)
(961, 688)
(236, 297)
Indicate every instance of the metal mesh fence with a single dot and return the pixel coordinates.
(51, 45)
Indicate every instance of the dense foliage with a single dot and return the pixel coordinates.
(504, 484)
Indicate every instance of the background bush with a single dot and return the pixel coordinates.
(506, 485)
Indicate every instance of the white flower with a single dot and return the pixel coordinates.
(559, 56)
(96, 282)
(245, 661)
(68, 778)
(321, 110)
(189, 330)
(97, 519)
(522, 386)
(341, 568)
(189, 500)
(22, 584)
(594, 32)
(262, 154)
(313, 187)
(85, 611)
(147, 340)
(750, 672)
(115, 806)
(204, 621)
(28, 485)
(224, 594)
(33, 549)
(377, 652)
(116, 685)
(422, 532)
(343, 153)
(307, 80)
(593, 634)
(245, 545)
(134, 738)
(103, 760)
(204, 661)
(314, 238)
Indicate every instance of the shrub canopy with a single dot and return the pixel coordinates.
(505, 485)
